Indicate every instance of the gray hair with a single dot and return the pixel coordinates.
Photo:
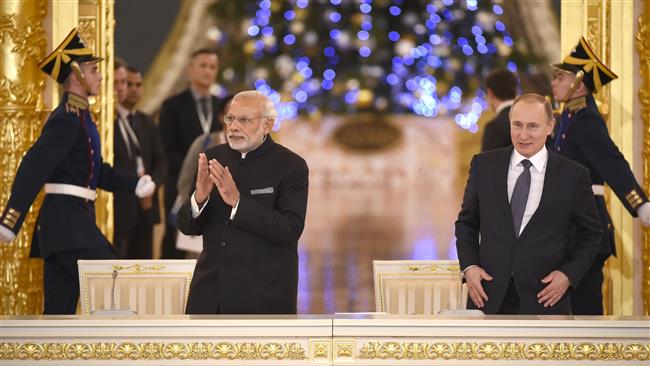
(268, 108)
(535, 98)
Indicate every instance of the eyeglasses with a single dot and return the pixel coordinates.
(243, 121)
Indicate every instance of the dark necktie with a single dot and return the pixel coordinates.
(520, 196)
(134, 146)
(203, 102)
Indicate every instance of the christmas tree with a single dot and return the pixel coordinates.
(340, 56)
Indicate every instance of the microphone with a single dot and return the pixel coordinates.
(113, 290)
(113, 312)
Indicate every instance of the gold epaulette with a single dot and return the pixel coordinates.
(634, 199)
(575, 105)
(11, 218)
(76, 104)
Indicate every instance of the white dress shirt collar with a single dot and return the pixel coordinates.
(503, 106)
(538, 160)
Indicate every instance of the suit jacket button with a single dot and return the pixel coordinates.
(223, 243)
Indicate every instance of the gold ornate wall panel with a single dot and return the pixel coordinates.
(643, 48)
(21, 119)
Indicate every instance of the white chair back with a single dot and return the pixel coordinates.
(418, 286)
(149, 287)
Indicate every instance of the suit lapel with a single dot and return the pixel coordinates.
(550, 187)
(502, 187)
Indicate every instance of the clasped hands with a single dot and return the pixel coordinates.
(556, 285)
(212, 174)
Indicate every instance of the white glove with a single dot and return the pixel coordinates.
(6, 235)
(643, 212)
(145, 186)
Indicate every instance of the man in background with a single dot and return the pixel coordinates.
(183, 117)
(501, 87)
(138, 151)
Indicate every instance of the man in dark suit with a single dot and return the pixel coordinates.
(501, 87)
(252, 221)
(138, 151)
(183, 118)
(582, 136)
(66, 159)
(522, 209)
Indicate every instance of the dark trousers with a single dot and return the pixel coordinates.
(510, 304)
(61, 278)
(587, 297)
(169, 250)
(136, 243)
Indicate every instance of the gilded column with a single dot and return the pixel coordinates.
(21, 117)
(643, 48)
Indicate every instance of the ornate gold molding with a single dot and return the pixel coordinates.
(23, 44)
(504, 351)
(320, 349)
(152, 351)
(643, 48)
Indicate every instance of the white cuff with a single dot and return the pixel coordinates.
(468, 267)
(234, 211)
(196, 211)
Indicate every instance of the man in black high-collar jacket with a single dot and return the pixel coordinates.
(251, 222)
(183, 117)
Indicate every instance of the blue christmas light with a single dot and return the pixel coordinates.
(434, 61)
(448, 2)
(482, 49)
(300, 96)
(497, 9)
(351, 96)
(480, 39)
(265, 4)
(408, 60)
(289, 15)
(435, 39)
(499, 26)
(289, 39)
(329, 74)
(432, 9)
(267, 31)
(395, 10)
(329, 51)
(259, 83)
(472, 5)
(327, 84)
(335, 2)
(462, 41)
(364, 51)
(392, 79)
(365, 8)
(393, 36)
(363, 35)
(366, 25)
(335, 34)
(397, 61)
(335, 16)
(507, 41)
(302, 3)
(253, 30)
(411, 85)
(467, 50)
(512, 66)
(476, 30)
